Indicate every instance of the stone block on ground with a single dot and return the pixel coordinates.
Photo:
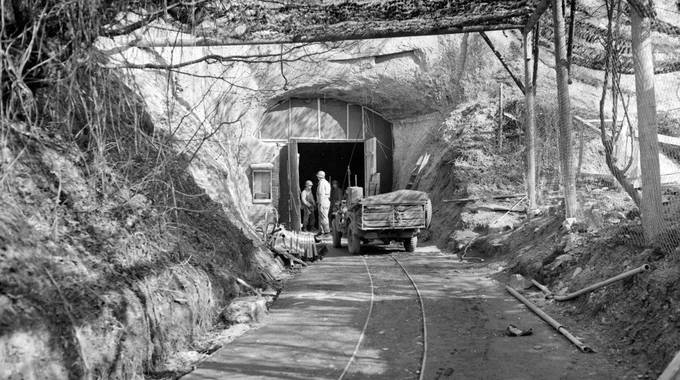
(561, 261)
(461, 238)
(518, 281)
(501, 225)
(245, 310)
(574, 225)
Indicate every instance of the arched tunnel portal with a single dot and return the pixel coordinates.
(352, 143)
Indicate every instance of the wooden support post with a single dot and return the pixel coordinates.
(499, 133)
(570, 44)
(500, 58)
(564, 110)
(643, 65)
(530, 122)
(294, 185)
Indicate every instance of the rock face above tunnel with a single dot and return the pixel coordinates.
(217, 107)
(412, 82)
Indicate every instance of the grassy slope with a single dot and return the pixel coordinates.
(109, 263)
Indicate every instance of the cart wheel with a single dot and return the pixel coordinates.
(337, 235)
(353, 243)
(411, 243)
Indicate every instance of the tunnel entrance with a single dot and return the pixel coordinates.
(334, 159)
(329, 135)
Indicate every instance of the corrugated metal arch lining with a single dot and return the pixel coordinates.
(268, 118)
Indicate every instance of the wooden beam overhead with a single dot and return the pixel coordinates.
(191, 41)
(533, 19)
(247, 22)
(517, 81)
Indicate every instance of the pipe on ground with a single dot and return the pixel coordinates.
(600, 284)
(556, 325)
(543, 288)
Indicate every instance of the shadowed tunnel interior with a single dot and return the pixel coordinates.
(333, 158)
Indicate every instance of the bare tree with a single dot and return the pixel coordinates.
(646, 105)
(564, 110)
(618, 134)
(530, 120)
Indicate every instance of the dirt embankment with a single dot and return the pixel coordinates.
(466, 162)
(111, 260)
(637, 318)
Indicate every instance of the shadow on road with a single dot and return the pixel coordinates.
(366, 249)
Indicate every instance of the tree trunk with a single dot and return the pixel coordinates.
(530, 123)
(643, 61)
(462, 59)
(459, 69)
(499, 132)
(564, 109)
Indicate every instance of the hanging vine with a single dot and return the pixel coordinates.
(611, 67)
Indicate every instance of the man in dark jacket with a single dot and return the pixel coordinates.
(336, 196)
(308, 207)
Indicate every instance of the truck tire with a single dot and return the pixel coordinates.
(428, 213)
(411, 243)
(353, 243)
(337, 235)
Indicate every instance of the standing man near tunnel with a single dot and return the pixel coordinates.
(323, 193)
(308, 206)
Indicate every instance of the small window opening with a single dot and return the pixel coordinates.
(262, 182)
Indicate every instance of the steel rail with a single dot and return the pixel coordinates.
(363, 330)
(370, 312)
(424, 318)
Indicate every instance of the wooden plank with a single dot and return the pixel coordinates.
(663, 139)
(510, 116)
(370, 160)
(382, 223)
(669, 140)
(294, 185)
(500, 208)
(392, 227)
(589, 124)
(472, 199)
(672, 371)
(388, 216)
(392, 222)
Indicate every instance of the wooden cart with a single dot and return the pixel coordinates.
(399, 215)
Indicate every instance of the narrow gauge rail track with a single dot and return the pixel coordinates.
(423, 319)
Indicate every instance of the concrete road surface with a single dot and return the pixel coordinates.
(320, 327)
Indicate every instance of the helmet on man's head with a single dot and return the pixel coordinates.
(320, 174)
(308, 183)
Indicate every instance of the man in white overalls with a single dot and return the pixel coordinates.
(323, 193)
